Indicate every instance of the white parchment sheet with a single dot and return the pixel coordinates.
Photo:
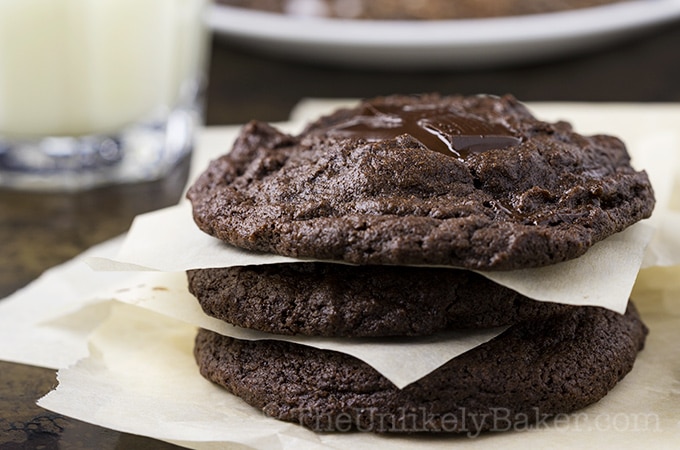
(606, 273)
(141, 378)
(167, 293)
(47, 323)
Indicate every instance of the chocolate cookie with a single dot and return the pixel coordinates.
(473, 182)
(534, 370)
(326, 299)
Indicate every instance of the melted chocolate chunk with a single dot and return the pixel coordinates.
(438, 129)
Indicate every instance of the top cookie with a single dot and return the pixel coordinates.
(473, 182)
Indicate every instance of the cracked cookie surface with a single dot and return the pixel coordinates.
(347, 190)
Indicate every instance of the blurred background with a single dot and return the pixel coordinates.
(627, 55)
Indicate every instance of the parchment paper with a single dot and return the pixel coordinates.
(167, 293)
(606, 273)
(47, 322)
(141, 378)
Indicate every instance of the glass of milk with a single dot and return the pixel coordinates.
(97, 92)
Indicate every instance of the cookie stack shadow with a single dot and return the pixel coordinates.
(390, 230)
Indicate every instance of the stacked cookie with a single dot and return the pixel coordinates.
(391, 195)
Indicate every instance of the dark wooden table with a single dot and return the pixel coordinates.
(39, 230)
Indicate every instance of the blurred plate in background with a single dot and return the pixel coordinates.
(464, 43)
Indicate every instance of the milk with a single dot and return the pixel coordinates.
(76, 67)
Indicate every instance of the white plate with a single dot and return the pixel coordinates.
(446, 43)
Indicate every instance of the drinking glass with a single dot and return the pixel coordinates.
(96, 92)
